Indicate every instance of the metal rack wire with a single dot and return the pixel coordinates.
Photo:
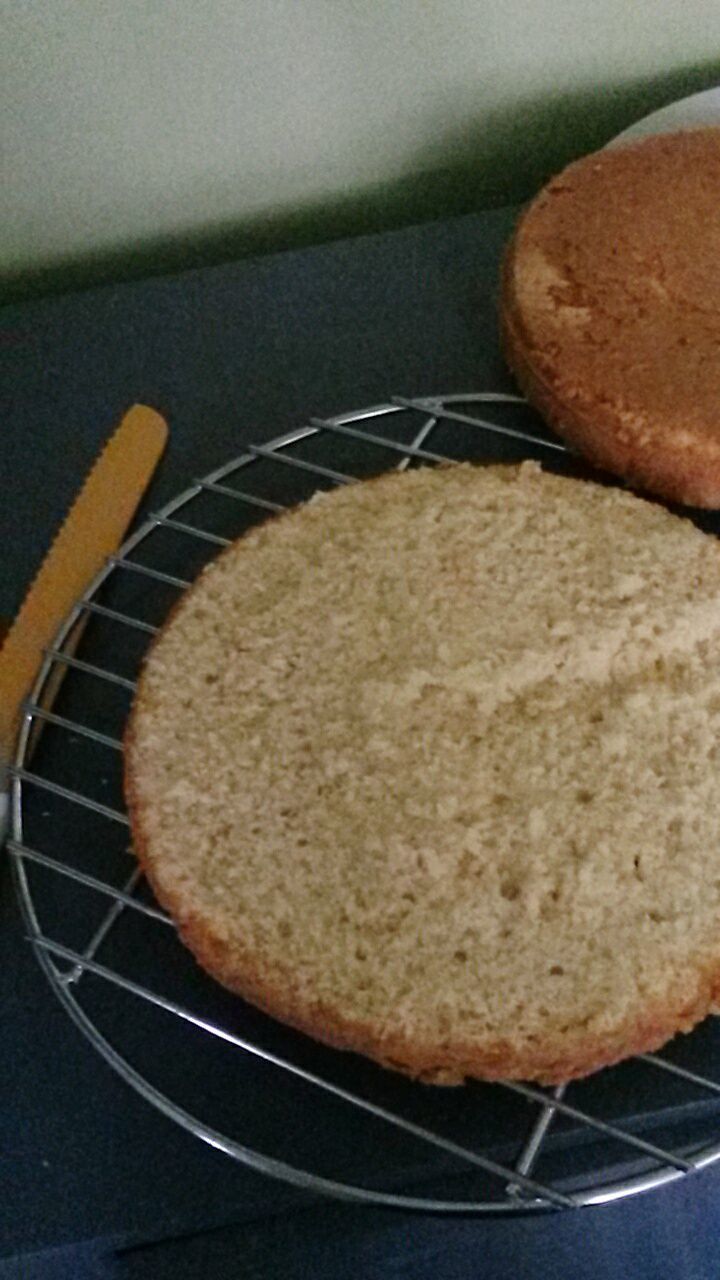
(91, 857)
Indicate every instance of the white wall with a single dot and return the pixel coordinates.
(126, 120)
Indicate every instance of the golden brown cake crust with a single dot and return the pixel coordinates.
(610, 311)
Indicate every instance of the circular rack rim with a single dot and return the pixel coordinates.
(523, 1192)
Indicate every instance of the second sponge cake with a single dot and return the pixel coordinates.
(611, 311)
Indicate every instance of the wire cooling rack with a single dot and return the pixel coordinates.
(258, 1091)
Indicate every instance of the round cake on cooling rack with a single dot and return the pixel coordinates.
(611, 311)
(429, 768)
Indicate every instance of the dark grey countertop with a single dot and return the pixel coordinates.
(232, 354)
(236, 353)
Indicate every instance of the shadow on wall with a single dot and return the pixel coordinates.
(501, 158)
